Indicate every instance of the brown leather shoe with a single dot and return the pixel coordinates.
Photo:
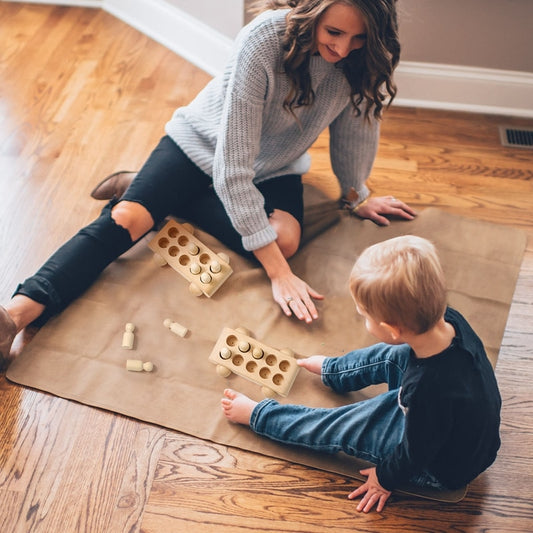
(8, 332)
(113, 185)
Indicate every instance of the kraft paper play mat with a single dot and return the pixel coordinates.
(78, 355)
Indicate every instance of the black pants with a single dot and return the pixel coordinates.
(168, 184)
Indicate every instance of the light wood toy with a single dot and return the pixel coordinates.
(136, 365)
(128, 338)
(176, 246)
(236, 351)
(175, 327)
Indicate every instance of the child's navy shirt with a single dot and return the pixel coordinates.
(452, 406)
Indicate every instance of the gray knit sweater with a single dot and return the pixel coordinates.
(236, 130)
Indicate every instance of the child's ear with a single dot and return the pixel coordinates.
(394, 331)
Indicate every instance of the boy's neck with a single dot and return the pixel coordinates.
(433, 341)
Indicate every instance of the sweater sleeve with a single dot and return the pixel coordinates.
(353, 147)
(239, 137)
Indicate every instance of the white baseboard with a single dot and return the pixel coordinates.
(427, 85)
(471, 89)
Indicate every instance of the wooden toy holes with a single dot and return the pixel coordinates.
(278, 379)
(184, 260)
(271, 359)
(264, 372)
(204, 259)
(173, 251)
(173, 232)
(251, 366)
(238, 360)
(284, 366)
(163, 242)
(231, 340)
(183, 240)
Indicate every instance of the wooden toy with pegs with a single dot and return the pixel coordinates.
(237, 351)
(176, 245)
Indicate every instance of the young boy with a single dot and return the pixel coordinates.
(438, 424)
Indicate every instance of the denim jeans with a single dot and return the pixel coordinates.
(369, 429)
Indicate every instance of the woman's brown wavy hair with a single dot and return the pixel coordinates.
(368, 70)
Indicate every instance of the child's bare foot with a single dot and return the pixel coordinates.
(237, 407)
(312, 364)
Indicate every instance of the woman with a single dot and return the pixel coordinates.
(231, 161)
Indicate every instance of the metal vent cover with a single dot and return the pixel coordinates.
(516, 137)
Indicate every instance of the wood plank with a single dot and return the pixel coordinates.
(73, 467)
(82, 95)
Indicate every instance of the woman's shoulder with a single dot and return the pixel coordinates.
(260, 41)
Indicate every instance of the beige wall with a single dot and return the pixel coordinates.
(495, 34)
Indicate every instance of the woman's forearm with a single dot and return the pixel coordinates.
(272, 260)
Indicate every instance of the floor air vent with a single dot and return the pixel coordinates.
(516, 137)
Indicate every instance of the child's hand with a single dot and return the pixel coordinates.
(373, 492)
(312, 364)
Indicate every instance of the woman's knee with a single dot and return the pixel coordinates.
(288, 230)
(288, 246)
(134, 217)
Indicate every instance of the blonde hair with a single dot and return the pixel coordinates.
(400, 281)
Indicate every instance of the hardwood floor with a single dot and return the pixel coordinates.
(82, 95)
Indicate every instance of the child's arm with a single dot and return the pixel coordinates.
(374, 493)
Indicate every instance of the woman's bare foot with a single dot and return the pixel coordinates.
(237, 407)
(312, 364)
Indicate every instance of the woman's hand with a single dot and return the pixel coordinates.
(294, 296)
(374, 493)
(375, 207)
